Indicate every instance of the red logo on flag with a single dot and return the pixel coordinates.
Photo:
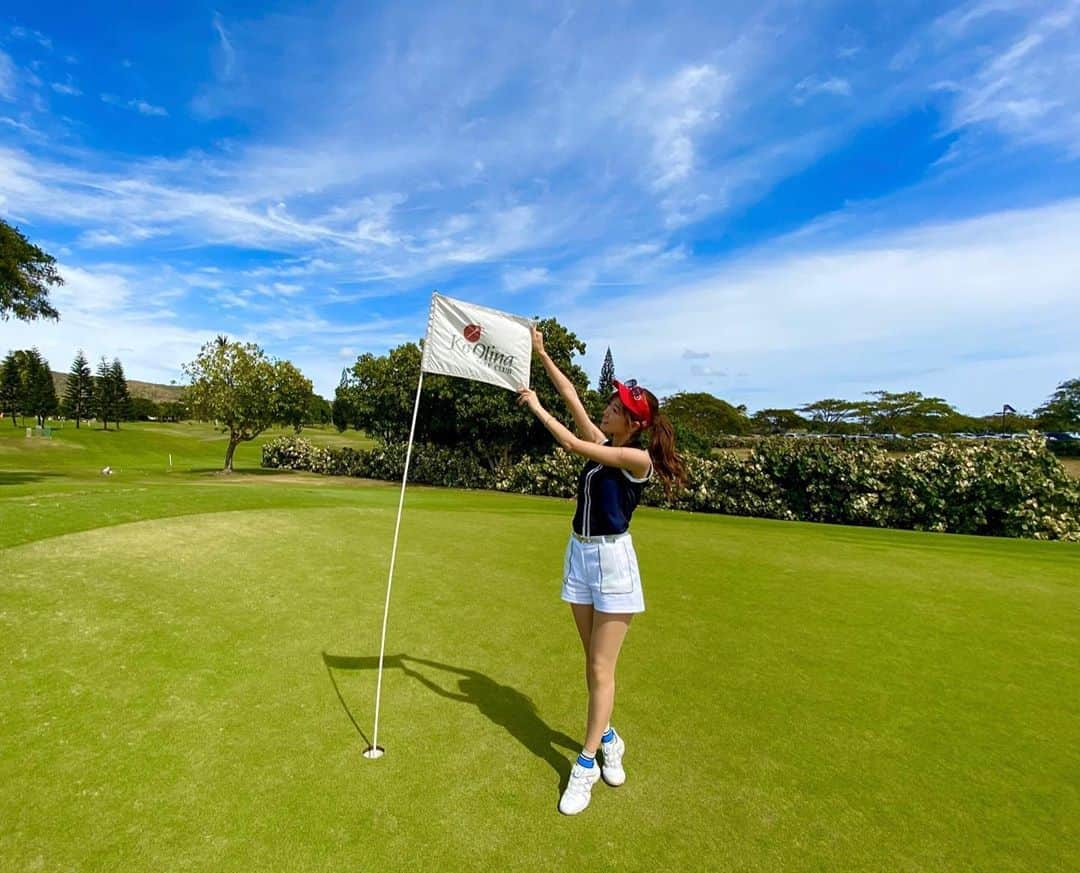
(472, 332)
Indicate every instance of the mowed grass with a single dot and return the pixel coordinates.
(189, 680)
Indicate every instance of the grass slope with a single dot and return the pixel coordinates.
(151, 390)
(192, 690)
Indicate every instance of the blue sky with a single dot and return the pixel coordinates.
(773, 204)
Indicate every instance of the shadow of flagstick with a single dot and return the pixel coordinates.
(333, 661)
(501, 704)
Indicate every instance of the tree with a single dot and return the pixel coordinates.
(1062, 410)
(121, 396)
(143, 409)
(904, 412)
(40, 389)
(342, 413)
(319, 410)
(172, 410)
(12, 389)
(104, 393)
(607, 377)
(79, 391)
(294, 397)
(25, 274)
(705, 415)
(831, 411)
(238, 386)
(766, 421)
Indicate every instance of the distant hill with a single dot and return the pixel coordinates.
(149, 390)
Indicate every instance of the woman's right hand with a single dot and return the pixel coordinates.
(537, 341)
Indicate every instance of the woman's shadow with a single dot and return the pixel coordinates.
(501, 704)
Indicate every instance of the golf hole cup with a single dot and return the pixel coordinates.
(373, 752)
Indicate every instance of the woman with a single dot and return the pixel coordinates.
(600, 572)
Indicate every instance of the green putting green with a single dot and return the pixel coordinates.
(189, 681)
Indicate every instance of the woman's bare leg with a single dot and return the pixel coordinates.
(608, 632)
(583, 618)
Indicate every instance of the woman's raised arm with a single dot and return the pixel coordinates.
(585, 426)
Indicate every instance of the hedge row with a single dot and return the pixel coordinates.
(1063, 448)
(1010, 488)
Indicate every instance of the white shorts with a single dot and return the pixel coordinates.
(604, 573)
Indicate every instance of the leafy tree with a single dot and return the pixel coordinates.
(238, 386)
(144, 409)
(607, 376)
(1062, 410)
(767, 421)
(26, 272)
(904, 412)
(830, 412)
(342, 412)
(319, 410)
(121, 395)
(79, 391)
(41, 399)
(960, 423)
(105, 393)
(707, 416)
(376, 395)
(691, 442)
(294, 398)
(172, 410)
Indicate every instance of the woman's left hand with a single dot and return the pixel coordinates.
(527, 397)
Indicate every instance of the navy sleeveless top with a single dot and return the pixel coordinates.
(606, 498)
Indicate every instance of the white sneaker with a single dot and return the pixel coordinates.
(579, 789)
(612, 768)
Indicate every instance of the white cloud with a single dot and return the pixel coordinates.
(66, 88)
(137, 105)
(1027, 89)
(516, 279)
(36, 35)
(101, 313)
(676, 112)
(146, 108)
(911, 309)
(125, 312)
(228, 53)
(813, 85)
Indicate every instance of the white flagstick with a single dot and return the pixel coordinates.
(375, 751)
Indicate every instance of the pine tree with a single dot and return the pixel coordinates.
(607, 376)
(41, 390)
(121, 396)
(104, 393)
(79, 393)
(11, 388)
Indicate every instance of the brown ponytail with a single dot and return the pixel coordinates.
(667, 462)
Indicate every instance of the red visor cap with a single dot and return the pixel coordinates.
(634, 401)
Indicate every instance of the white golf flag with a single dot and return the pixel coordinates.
(474, 342)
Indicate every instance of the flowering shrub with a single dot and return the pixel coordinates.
(1013, 488)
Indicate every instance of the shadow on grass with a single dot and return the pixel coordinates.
(240, 472)
(10, 477)
(502, 704)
